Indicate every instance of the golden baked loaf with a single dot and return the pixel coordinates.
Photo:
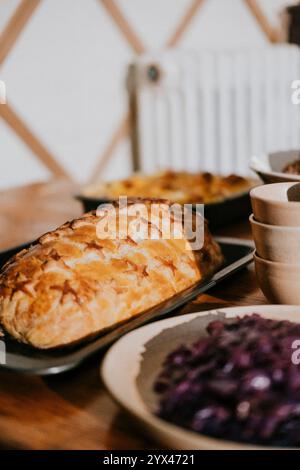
(177, 186)
(71, 284)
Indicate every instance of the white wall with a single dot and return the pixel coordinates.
(65, 75)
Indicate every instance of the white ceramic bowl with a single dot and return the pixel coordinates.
(280, 282)
(277, 204)
(276, 243)
(270, 167)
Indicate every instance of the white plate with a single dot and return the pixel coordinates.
(121, 367)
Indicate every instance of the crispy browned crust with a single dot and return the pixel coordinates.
(182, 187)
(70, 284)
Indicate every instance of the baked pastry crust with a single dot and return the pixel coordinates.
(181, 187)
(71, 284)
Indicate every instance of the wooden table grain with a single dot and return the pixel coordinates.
(73, 410)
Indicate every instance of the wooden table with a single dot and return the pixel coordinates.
(74, 411)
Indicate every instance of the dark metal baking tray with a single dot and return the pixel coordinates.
(26, 359)
(219, 214)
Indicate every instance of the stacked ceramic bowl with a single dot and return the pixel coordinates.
(275, 226)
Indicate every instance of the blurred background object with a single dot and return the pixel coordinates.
(214, 108)
(293, 24)
(65, 62)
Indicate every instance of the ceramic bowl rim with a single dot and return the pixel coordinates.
(271, 227)
(253, 195)
(276, 264)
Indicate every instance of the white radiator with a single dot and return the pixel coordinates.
(214, 110)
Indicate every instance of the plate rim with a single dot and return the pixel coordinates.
(286, 177)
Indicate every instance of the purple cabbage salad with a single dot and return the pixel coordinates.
(238, 383)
